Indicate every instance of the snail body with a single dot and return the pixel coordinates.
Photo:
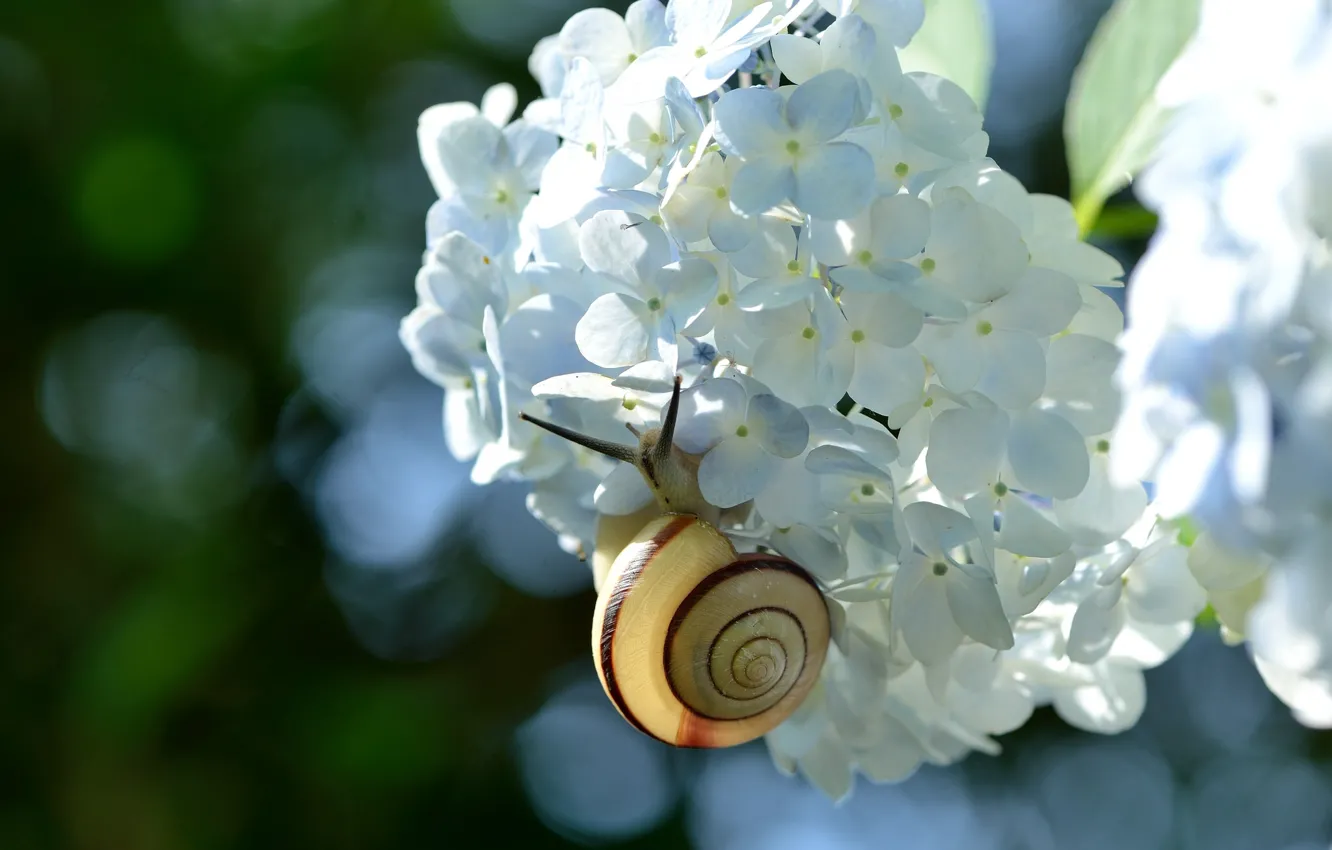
(694, 644)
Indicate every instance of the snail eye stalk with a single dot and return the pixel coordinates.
(627, 454)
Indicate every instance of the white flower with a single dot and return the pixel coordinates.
(1225, 372)
(701, 207)
(1045, 453)
(706, 46)
(740, 434)
(485, 172)
(659, 296)
(612, 43)
(810, 359)
(849, 43)
(789, 150)
(869, 247)
(896, 21)
(844, 245)
(938, 600)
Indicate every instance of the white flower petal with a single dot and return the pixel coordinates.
(1160, 588)
(1111, 705)
(834, 180)
(784, 431)
(813, 550)
(734, 471)
(581, 100)
(886, 377)
(965, 449)
(728, 231)
(828, 767)
(822, 108)
(614, 331)
(935, 528)
(465, 428)
(901, 226)
(975, 607)
(749, 122)
(776, 292)
(1096, 624)
(1308, 695)
(622, 491)
(1042, 302)
(799, 372)
(1103, 511)
(884, 317)
(600, 36)
(978, 253)
(800, 58)
(498, 103)
(623, 245)
(956, 353)
(1014, 369)
(773, 246)
(709, 412)
(1025, 531)
(760, 185)
(1079, 378)
(835, 460)
(1047, 455)
(920, 611)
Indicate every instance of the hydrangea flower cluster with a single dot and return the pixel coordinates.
(898, 361)
(1227, 368)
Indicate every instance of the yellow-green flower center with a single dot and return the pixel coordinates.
(742, 431)
(808, 333)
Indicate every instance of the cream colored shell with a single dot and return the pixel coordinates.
(699, 647)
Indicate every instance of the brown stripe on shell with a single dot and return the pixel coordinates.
(696, 732)
(741, 565)
(615, 600)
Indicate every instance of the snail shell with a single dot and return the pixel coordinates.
(695, 645)
(699, 647)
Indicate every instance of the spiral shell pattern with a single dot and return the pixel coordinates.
(699, 647)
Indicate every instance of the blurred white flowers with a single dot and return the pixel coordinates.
(1227, 369)
(795, 251)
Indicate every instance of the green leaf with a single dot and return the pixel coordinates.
(955, 42)
(1113, 119)
(1125, 221)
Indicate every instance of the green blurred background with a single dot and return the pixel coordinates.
(247, 600)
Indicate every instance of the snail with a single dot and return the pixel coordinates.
(694, 644)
